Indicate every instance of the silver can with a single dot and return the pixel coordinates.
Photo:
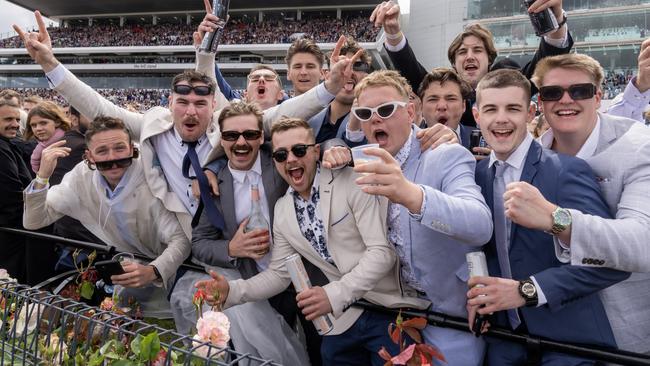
(476, 264)
(301, 282)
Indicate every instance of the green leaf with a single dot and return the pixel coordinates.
(123, 363)
(86, 290)
(150, 347)
(136, 345)
(96, 359)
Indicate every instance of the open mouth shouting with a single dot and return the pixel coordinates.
(297, 175)
(380, 136)
(241, 152)
(471, 68)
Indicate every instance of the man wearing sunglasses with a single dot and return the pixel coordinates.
(333, 225)
(618, 151)
(238, 254)
(436, 212)
(472, 52)
(109, 196)
(529, 290)
(264, 87)
(166, 134)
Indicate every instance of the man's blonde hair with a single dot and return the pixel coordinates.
(571, 61)
(384, 78)
(241, 109)
(288, 123)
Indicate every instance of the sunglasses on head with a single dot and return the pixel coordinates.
(253, 78)
(249, 135)
(361, 66)
(576, 92)
(384, 111)
(298, 151)
(120, 163)
(201, 90)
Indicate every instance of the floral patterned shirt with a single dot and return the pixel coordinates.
(394, 230)
(309, 220)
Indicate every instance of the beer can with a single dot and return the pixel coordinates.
(543, 22)
(301, 282)
(476, 264)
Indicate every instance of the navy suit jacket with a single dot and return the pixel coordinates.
(465, 133)
(574, 312)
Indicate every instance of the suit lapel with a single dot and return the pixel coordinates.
(608, 134)
(527, 175)
(227, 198)
(325, 187)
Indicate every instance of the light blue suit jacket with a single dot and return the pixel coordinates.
(456, 221)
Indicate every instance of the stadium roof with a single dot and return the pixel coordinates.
(54, 8)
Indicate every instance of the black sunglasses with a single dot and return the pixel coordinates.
(361, 66)
(120, 163)
(248, 135)
(201, 90)
(576, 92)
(298, 151)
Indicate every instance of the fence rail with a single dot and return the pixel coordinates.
(533, 343)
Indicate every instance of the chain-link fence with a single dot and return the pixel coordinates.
(39, 328)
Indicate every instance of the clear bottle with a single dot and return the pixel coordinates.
(256, 219)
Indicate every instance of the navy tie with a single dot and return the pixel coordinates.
(214, 215)
(501, 233)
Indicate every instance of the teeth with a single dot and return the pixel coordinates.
(567, 113)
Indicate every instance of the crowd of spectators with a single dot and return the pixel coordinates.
(138, 100)
(240, 31)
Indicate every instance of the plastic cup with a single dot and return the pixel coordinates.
(124, 257)
(360, 158)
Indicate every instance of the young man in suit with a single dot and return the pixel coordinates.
(529, 289)
(472, 52)
(436, 212)
(330, 222)
(444, 95)
(618, 151)
(238, 254)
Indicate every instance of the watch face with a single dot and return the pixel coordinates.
(562, 217)
(528, 289)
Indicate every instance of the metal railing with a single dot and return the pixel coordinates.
(533, 343)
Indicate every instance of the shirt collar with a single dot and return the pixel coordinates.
(403, 153)
(239, 176)
(587, 150)
(180, 141)
(517, 158)
(458, 133)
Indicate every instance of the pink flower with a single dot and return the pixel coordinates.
(214, 327)
(107, 304)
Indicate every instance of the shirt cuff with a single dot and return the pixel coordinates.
(354, 136)
(30, 188)
(541, 299)
(400, 46)
(559, 42)
(323, 95)
(418, 217)
(562, 251)
(634, 96)
(56, 76)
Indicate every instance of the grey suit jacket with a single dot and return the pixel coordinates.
(209, 245)
(622, 166)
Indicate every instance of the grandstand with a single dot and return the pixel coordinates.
(142, 44)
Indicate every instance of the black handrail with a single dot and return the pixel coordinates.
(433, 318)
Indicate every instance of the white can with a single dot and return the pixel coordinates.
(301, 282)
(476, 264)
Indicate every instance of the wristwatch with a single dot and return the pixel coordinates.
(156, 272)
(528, 291)
(561, 220)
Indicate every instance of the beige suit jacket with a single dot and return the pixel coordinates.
(158, 120)
(365, 262)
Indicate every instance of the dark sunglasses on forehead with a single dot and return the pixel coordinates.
(362, 67)
(248, 135)
(201, 90)
(298, 151)
(576, 92)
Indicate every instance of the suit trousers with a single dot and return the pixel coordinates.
(360, 344)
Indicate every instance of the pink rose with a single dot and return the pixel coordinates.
(214, 327)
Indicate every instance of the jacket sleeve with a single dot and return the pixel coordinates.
(303, 106)
(544, 50)
(621, 243)
(407, 64)
(91, 104)
(176, 243)
(577, 189)
(208, 245)
(205, 64)
(458, 208)
(228, 92)
(38, 205)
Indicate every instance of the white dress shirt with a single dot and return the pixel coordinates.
(515, 164)
(241, 184)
